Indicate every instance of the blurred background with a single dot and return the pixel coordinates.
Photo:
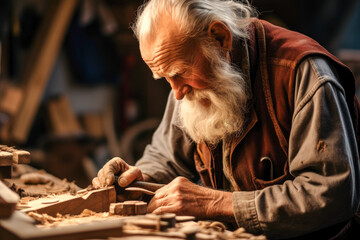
(75, 92)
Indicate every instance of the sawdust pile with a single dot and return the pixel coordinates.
(30, 182)
(86, 216)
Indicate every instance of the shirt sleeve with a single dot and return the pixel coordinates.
(323, 158)
(170, 153)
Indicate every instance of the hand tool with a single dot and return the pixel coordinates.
(141, 186)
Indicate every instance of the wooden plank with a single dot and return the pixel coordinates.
(39, 65)
(95, 200)
(8, 201)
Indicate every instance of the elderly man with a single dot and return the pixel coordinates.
(264, 116)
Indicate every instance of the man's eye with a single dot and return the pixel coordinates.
(179, 75)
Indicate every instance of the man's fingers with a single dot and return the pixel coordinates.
(106, 175)
(115, 165)
(112, 167)
(96, 182)
(133, 173)
(101, 177)
(159, 211)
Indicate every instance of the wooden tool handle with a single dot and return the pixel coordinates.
(146, 185)
(141, 184)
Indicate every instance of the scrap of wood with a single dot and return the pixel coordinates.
(8, 201)
(97, 200)
(18, 156)
(128, 208)
(6, 158)
(21, 157)
(38, 69)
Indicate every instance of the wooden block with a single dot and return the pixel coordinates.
(128, 208)
(21, 157)
(6, 158)
(18, 156)
(140, 208)
(39, 67)
(62, 118)
(97, 200)
(8, 201)
(116, 208)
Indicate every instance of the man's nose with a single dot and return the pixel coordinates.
(180, 89)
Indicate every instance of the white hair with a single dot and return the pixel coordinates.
(228, 92)
(228, 96)
(193, 16)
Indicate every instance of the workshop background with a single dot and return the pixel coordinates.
(74, 91)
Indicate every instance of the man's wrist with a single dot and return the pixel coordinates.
(222, 207)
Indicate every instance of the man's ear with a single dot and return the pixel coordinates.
(221, 33)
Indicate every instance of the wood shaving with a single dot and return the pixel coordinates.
(202, 230)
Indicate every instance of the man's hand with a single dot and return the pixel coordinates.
(186, 198)
(106, 175)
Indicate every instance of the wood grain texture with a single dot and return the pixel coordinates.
(6, 158)
(95, 200)
(12, 155)
(128, 208)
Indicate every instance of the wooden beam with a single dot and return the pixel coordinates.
(40, 64)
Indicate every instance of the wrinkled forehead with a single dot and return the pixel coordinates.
(167, 52)
(165, 58)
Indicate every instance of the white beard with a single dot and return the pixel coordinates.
(224, 116)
